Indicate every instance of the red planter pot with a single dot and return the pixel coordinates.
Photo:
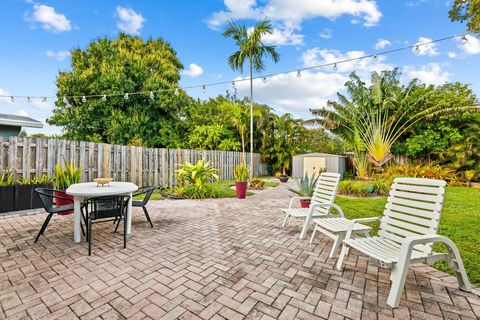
(304, 203)
(62, 202)
(241, 188)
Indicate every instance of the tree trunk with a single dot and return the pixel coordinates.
(251, 114)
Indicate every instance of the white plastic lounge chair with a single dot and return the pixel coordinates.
(407, 232)
(320, 203)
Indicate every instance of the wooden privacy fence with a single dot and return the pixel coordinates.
(29, 157)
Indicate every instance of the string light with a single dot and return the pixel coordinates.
(415, 47)
(176, 92)
(12, 99)
(299, 74)
(152, 96)
(65, 100)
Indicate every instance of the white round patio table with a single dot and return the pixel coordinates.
(81, 191)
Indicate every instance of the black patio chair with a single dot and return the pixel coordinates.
(47, 197)
(147, 191)
(103, 209)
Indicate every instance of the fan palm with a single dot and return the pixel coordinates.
(251, 48)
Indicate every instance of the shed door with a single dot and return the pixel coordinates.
(313, 164)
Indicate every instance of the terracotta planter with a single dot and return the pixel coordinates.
(62, 202)
(283, 178)
(304, 203)
(241, 189)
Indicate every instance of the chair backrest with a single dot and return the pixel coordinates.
(325, 190)
(106, 207)
(46, 197)
(414, 207)
(147, 191)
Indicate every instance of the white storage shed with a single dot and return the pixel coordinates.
(313, 162)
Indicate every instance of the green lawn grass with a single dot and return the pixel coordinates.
(460, 222)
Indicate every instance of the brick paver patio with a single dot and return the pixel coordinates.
(212, 259)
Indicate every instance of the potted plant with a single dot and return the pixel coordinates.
(241, 173)
(469, 176)
(306, 187)
(7, 192)
(64, 178)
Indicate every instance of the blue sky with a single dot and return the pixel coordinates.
(37, 36)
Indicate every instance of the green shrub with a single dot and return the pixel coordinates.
(429, 171)
(198, 175)
(193, 192)
(360, 188)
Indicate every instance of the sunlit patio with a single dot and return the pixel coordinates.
(213, 259)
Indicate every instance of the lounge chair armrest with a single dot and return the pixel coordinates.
(327, 205)
(354, 221)
(297, 198)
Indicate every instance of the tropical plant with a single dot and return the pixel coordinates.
(66, 176)
(198, 175)
(256, 184)
(361, 188)
(306, 184)
(7, 178)
(193, 192)
(251, 48)
(375, 117)
(429, 171)
(469, 176)
(241, 172)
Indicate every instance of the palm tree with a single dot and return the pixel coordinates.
(251, 47)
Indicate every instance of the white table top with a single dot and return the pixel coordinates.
(90, 189)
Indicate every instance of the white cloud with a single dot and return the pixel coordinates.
(452, 54)
(5, 100)
(59, 55)
(193, 71)
(326, 33)
(49, 18)
(289, 93)
(21, 112)
(288, 15)
(472, 46)
(284, 35)
(129, 21)
(382, 44)
(41, 105)
(363, 67)
(430, 73)
(426, 49)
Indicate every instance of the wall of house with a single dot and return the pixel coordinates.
(9, 131)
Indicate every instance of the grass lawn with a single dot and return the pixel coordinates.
(460, 222)
(222, 187)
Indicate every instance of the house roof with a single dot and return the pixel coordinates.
(19, 121)
(319, 154)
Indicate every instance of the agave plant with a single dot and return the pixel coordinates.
(199, 174)
(241, 172)
(306, 185)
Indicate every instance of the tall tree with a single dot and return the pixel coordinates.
(251, 48)
(114, 67)
(467, 10)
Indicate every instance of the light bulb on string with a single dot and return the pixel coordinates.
(44, 99)
(104, 98)
(84, 99)
(152, 96)
(464, 39)
(29, 99)
(65, 100)
(125, 96)
(176, 92)
(299, 74)
(204, 89)
(335, 67)
(375, 58)
(12, 98)
(417, 49)
(233, 85)
(264, 79)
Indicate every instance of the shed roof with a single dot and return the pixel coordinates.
(19, 121)
(319, 154)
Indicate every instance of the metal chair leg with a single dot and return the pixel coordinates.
(124, 232)
(118, 223)
(89, 237)
(44, 226)
(147, 216)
